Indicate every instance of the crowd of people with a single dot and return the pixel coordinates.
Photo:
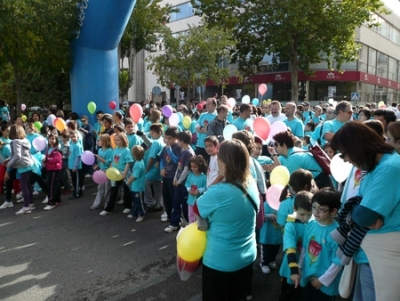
(190, 171)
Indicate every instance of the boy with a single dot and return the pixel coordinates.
(180, 192)
(75, 165)
(292, 245)
(211, 145)
(169, 158)
(132, 137)
(136, 182)
(321, 267)
(65, 175)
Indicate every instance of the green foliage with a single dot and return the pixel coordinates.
(124, 82)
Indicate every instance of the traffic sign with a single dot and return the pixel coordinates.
(355, 96)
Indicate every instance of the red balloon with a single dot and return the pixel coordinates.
(136, 112)
(112, 105)
(261, 127)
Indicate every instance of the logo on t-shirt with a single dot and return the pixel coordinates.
(116, 158)
(168, 158)
(314, 248)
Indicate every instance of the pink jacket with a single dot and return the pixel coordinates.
(53, 160)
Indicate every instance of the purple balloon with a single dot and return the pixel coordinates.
(167, 111)
(99, 177)
(39, 143)
(88, 158)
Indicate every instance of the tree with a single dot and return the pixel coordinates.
(191, 59)
(301, 32)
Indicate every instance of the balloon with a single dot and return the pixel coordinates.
(91, 107)
(261, 127)
(112, 138)
(280, 175)
(60, 124)
(180, 115)
(174, 119)
(186, 122)
(191, 243)
(273, 196)
(186, 268)
(167, 111)
(246, 99)
(88, 158)
(24, 118)
(136, 112)
(99, 177)
(331, 100)
(50, 119)
(39, 143)
(112, 105)
(228, 131)
(262, 89)
(37, 125)
(23, 107)
(255, 101)
(277, 127)
(231, 102)
(340, 169)
(113, 174)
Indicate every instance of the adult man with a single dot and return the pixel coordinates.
(307, 112)
(216, 127)
(266, 109)
(343, 113)
(224, 101)
(276, 112)
(385, 116)
(295, 125)
(201, 127)
(243, 122)
(317, 134)
(317, 118)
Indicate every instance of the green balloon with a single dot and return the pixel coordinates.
(91, 107)
(37, 125)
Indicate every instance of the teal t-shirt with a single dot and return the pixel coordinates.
(331, 126)
(285, 208)
(231, 243)
(204, 120)
(307, 114)
(154, 150)
(133, 140)
(270, 232)
(296, 126)
(31, 137)
(5, 151)
(106, 154)
(138, 172)
(243, 124)
(298, 158)
(195, 181)
(75, 150)
(120, 157)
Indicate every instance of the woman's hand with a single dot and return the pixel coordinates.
(6, 176)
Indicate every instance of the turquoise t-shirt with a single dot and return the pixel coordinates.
(204, 120)
(318, 134)
(5, 151)
(307, 114)
(243, 124)
(133, 140)
(75, 150)
(285, 208)
(106, 154)
(331, 126)
(195, 181)
(138, 172)
(296, 126)
(298, 158)
(320, 253)
(31, 137)
(270, 232)
(120, 157)
(155, 149)
(231, 243)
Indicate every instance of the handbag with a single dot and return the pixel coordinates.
(322, 158)
(347, 279)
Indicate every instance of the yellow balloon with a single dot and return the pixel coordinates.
(280, 175)
(191, 243)
(23, 117)
(186, 122)
(113, 174)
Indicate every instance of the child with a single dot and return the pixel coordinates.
(292, 245)
(320, 266)
(306, 143)
(328, 150)
(4, 112)
(211, 145)
(180, 192)
(133, 139)
(196, 183)
(65, 175)
(75, 165)
(53, 165)
(104, 158)
(169, 158)
(309, 128)
(137, 182)
(263, 160)
(121, 160)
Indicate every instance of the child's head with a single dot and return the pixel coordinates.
(328, 150)
(30, 128)
(129, 125)
(73, 135)
(300, 180)
(121, 140)
(325, 205)
(302, 205)
(306, 140)
(53, 140)
(310, 127)
(198, 164)
(298, 142)
(170, 135)
(138, 152)
(184, 137)
(258, 149)
(156, 130)
(118, 129)
(65, 137)
(105, 141)
(211, 145)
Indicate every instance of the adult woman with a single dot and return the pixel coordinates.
(393, 135)
(380, 205)
(231, 245)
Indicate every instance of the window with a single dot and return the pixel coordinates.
(185, 10)
(372, 61)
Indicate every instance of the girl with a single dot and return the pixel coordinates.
(75, 165)
(53, 165)
(121, 160)
(137, 183)
(196, 183)
(104, 160)
(328, 150)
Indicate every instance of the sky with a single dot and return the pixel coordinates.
(394, 6)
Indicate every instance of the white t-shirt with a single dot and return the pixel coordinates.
(212, 171)
(272, 119)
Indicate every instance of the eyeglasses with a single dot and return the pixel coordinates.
(319, 210)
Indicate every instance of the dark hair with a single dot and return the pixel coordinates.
(377, 126)
(394, 129)
(327, 197)
(17, 132)
(50, 136)
(128, 121)
(247, 138)
(285, 138)
(222, 108)
(185, 137)
(171, 131)
(156, 127)
(361, 144)
(303, 200)
(72, 125)
(119, 128)
(200, 162)
(244, 107)
(366, 112)
(311, 124)
(389, 115)
(2, 103)
(3, 128)
(300, 179)
(341, 106)
(212, 139)
(73, 116)
(107, 118)
(118, 114)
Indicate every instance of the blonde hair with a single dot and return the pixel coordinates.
(105, 140)
(17, 132)
(123, 137)
(138, 152)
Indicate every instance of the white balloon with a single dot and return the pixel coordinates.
(246, 99)
(228, 131)
(340, 169)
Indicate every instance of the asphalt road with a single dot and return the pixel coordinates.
(73, 253)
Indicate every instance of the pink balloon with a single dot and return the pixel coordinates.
(273, 196)
(231, 102)
(167, 111)
(261, 127)
(88, 158)
(112, 105)
(136, 112)
(174, 119)
(99, 177)
(262, 89)
(277, 127)
(23, 107)
(39, 143)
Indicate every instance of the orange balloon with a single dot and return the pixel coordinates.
(60, 124)
(112, 137)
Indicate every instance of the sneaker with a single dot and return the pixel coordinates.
(104, 213)
(49, 207)
(140, 219)
(32, 207)
(35, 192)
(20, 198)
(93, 208)
(23, 210)
(7, 205)
(170, 229)
(265, 269)
(164, 217)
(130, 216)
(127, 210)
(272, 265)
(120, 202)
(46, 200)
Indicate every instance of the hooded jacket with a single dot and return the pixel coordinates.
(20, 154)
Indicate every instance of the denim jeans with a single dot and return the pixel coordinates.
(364, 289)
